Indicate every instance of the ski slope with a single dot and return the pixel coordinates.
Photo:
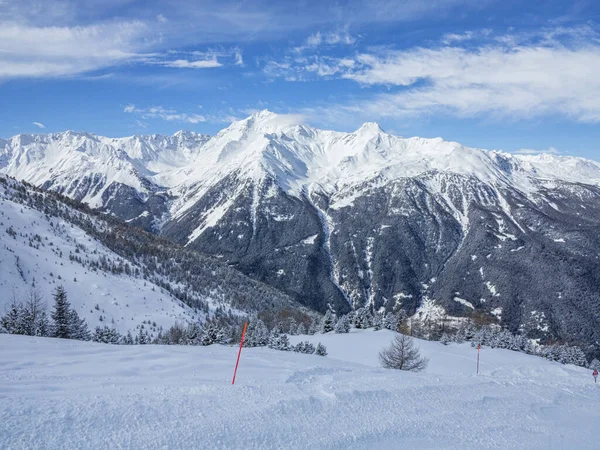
(67, 394)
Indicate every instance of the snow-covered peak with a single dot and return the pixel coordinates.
(297, 156)
(372, 128)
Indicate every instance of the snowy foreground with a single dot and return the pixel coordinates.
(68, 394)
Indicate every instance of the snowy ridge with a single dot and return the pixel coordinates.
(266, 144)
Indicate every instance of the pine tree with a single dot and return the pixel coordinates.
(445, 339)
(284, 343)
(106, 335)
(78, 328)
(60, 315)
(13, 321)
(321, 350)
(128, 339)
(378, 321)
(328, 322)
(362, 318)
(595, 364)
(342, 325)
(142, 337)
(390, 321)
(301, 329)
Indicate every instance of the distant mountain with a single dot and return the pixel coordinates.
(358, 218)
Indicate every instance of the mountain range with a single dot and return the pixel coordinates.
(345, 220)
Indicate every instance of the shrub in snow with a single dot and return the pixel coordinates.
(595, 364)
(304, 347)
(403, 355)
(321, 350)
(106, 335)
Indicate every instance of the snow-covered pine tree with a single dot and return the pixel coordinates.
(12, 321)
(293, 327)
(595, 364)
(128, 339)
(362, 318)
(342, 325)
(192, 334)
(378, 321)
(211, 334)
(106, 335)
(445, 339)
(284, 343)
(328, 322)
(142, 337)
(301, 330)
(60, 315)
(321, 350)
(304, 347)
(390, 321)
(78, 328)
(274, 338)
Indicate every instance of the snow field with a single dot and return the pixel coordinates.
(68, 394)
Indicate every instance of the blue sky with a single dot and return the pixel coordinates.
(511, 75)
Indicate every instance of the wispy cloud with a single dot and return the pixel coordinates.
(186, 64)
(159, 112)
(530, 151)
(340, 37)
(30, 51)
(39, 125)
(509, 76)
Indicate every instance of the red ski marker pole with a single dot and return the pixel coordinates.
(239, 352)
(478, 349)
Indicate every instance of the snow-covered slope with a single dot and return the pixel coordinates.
(114, 274)
(42, 252)
(66, 394)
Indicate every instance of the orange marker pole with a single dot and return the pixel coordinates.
(478, 348)
(239, 352)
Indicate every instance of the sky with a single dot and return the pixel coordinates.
(509, 75)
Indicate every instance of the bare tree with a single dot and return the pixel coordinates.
(403, 355)
(36, 322)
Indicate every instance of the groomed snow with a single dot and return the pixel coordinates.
(67, 394)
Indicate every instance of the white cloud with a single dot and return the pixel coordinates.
(185, 64)
(39, 125)
(30, 51)
(168, 114)
(331, 38)
(554, 73)
(530, 151)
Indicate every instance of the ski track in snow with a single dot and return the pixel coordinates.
(67, 394)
